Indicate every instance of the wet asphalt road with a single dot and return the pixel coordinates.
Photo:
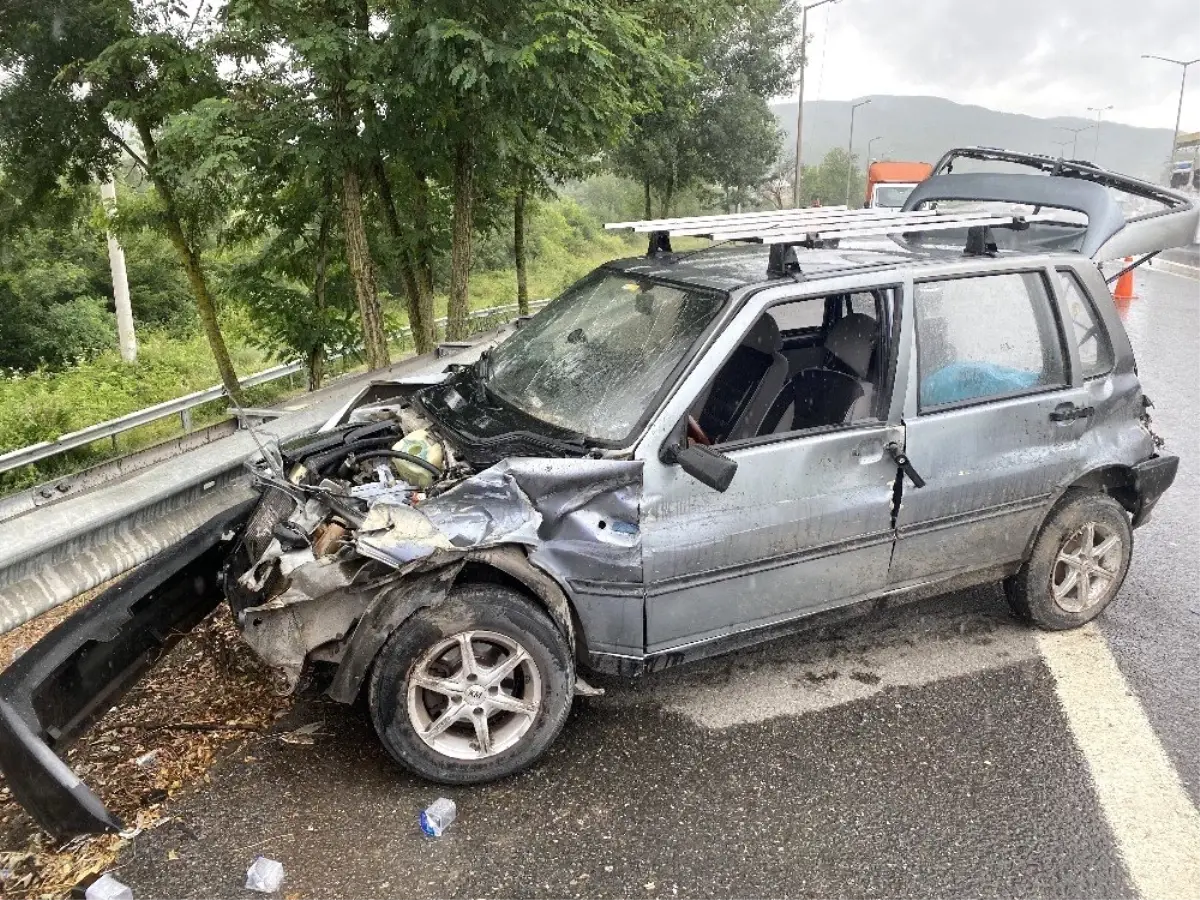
(923, 752)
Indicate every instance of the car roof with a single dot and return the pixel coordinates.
(730, 268)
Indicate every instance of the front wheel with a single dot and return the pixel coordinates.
(1077, 566)
(474, 689)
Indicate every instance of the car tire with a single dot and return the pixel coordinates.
(1077, 565)
(459, 723)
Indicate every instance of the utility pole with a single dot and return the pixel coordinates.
(1099, 111)
(126, 339)
(1183, 64)
(850, 147)
(800, 93)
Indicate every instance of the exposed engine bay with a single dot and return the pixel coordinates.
(375, 518)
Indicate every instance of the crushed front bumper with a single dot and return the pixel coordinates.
(61, 685)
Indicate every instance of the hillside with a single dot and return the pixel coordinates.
(924, 127)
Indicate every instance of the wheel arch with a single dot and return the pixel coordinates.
(507, 565)
(1117, 481)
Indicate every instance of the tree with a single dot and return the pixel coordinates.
(81, 73)
(305, 74)
(499, 70)
(740, 142)
(735, 50)
(825, 184)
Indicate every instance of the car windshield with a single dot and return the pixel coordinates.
(593, 360)
(892, 196)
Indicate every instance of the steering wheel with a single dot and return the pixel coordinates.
(696, 433)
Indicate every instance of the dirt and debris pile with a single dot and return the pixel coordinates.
(208, 691)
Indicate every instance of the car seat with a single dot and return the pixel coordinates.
(839, 391)
(744, 388)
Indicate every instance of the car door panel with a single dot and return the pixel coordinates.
(993, 466)
(805, 525)
(990, 473)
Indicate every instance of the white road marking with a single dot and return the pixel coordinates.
(1156, 827)
(1167, 266)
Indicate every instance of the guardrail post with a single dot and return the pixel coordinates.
(185, 419)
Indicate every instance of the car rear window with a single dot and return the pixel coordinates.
(985, 337)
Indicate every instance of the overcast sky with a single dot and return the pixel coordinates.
(1040, 57)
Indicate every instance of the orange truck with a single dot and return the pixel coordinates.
(890, 183)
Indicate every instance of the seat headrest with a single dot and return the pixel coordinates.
(764, 336)
(852, 340)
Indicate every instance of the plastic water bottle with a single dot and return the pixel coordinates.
(264, 875)
(438, 817)
(108, 888)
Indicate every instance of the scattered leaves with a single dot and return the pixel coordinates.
(207, 693)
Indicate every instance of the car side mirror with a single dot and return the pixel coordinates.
(707, 465)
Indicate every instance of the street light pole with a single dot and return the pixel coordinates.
(800, 93)
(1183, 64)
(850, 147)
(878, 137)
(1074, 142)
(1099, 111)
(1062, 146)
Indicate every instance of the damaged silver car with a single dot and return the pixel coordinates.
(683, 454)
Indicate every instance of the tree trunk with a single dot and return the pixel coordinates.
(205, 307)
(646, 188)
(519, 251)
(457, 315)
(362, 272)
(420, 301)
(423, 253)
(316, 353)
(668, 196)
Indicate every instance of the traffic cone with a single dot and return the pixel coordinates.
(1124, 290)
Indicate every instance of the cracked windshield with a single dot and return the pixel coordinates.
(593, 360)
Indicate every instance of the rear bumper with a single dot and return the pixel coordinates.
(61, 685)
(1151, 478)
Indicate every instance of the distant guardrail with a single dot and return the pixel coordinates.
(181, 406)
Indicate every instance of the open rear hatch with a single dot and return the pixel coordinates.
(1069, 204)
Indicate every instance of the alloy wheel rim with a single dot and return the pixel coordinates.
(1086, 568)
(474, 694)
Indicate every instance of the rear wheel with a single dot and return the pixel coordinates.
(474, 689)
(1077, 566)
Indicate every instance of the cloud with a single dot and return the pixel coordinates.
(1043, 57)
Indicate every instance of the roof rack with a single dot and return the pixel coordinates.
(818, 226)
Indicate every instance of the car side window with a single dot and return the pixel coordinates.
(985, 336)
(801, 316)
(1095, 349)
(776, 384)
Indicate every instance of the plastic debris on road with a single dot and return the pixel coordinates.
(438, 817)
(147, 760)
(264, 875)
(108, 888)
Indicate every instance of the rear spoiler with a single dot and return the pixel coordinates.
(55, 690)
(1070, 185)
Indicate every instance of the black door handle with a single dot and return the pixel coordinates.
(1069, 412)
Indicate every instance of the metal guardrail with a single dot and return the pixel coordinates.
(53, 551)
(181, 406)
